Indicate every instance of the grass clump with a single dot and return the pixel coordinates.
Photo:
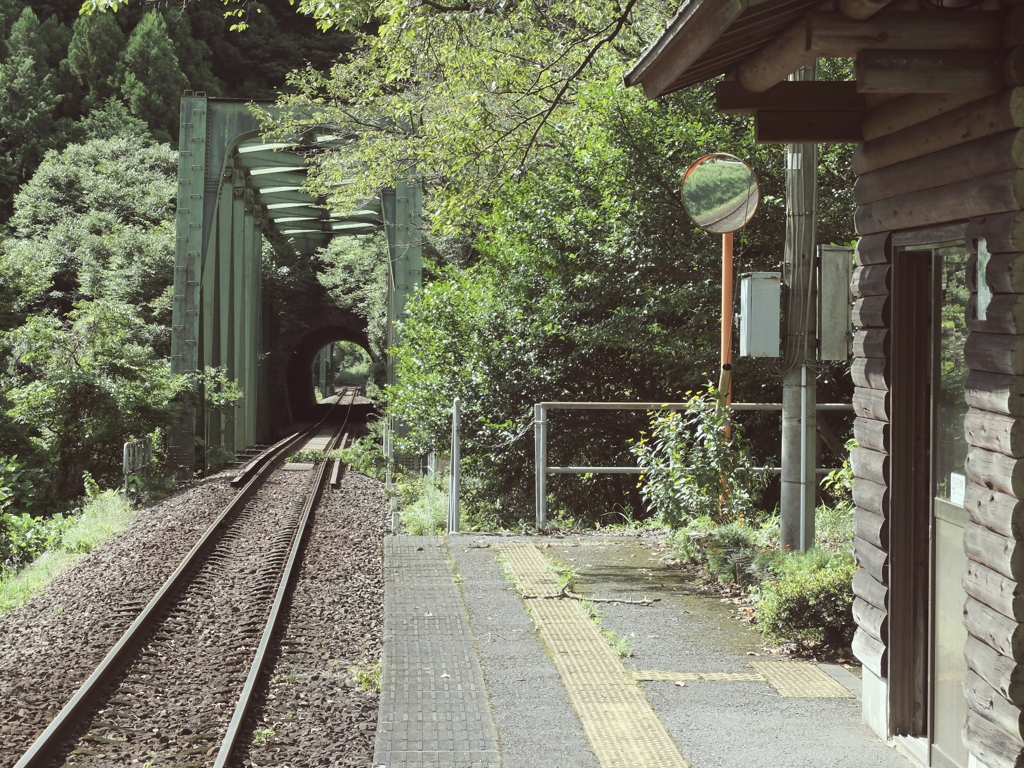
(367, 678)
(423, 507)
(66, 539)
(802, 598)
(306, 456)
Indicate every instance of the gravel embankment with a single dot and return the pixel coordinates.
(49, 646)
(311, 712)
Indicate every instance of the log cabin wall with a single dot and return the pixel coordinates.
(933, 168)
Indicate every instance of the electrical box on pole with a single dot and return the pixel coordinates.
(760, 300)
(835, 324)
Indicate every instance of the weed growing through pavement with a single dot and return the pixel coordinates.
(567, 577)
(506, 570)
(619, 645)
(457, 577)
(367, 678)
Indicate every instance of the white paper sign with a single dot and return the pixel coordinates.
(957, 486)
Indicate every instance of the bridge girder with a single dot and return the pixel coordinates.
(233, 189)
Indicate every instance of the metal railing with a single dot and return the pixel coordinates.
(138, 457)
(540, 440)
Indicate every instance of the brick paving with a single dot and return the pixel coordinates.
(433, 706)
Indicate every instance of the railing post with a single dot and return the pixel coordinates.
(389, 479)
(540, 434)
(456, 473)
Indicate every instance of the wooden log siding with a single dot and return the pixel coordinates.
(991, 193)
(991, 744)
(871, 343)
(930, 161)
(874, 529)
(871, 434)
(999, 512)
(870, 282)
(870, 465)
(1003, 231)
(987, 701)
(975, 120)
(870, 373)
(995, 353)
(871, 652)
(1002, 673)
(989, 155)
(995, 432)
(871, 312)
(994, 590)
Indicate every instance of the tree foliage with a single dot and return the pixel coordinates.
(150, 77)
(84, 352)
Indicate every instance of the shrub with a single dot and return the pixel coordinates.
(24, 537)
(810, 602)
(53, 544)
(366, 454)
(693, 467)
(425, 511)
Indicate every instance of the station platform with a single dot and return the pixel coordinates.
(488, 663)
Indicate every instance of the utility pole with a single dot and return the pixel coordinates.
(799, 376)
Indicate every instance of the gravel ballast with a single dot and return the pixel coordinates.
(311, 710)
(312, 713)
(49, 646)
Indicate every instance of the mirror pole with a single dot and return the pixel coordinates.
(725, 379)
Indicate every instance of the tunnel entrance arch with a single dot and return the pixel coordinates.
(233, 189)
(301, 400)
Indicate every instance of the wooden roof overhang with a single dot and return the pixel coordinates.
(900, 47)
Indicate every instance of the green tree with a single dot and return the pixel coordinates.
(95, 221)
(150, 77)
(356, 276)
(83, 384)
(110, 120)
(28, 102)
(85, 281)
(96, 44)
(194, 55)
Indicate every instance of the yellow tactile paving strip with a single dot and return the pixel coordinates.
(801, 680)
(534, 573)
(657, 675)
(617, 719)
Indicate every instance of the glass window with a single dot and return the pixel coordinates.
(950, 446)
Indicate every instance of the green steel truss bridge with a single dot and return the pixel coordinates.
(233, 190)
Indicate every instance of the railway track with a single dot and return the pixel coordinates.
(176, 687)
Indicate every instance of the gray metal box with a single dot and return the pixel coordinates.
(760, 298)
(835, 322)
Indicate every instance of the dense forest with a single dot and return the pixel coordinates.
(560, 264)
(88, 166)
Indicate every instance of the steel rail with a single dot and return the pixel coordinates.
(256, 669)
(69, 717)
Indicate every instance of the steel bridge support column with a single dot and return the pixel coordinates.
(247, 374)
(209, 337)
(187, 255)
(259, 393)
(238, 300)
(225, 293)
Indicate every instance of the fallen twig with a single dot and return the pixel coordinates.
(565, 593)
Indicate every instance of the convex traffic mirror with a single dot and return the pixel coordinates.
(720, 193)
